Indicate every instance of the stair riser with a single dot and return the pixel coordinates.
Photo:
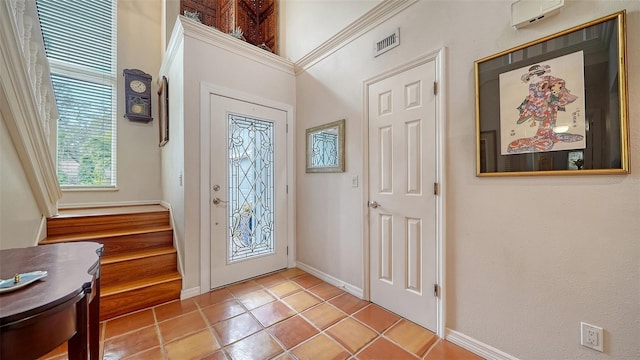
(124, 244)
(121, 272)
(76, 225)
(126, 302)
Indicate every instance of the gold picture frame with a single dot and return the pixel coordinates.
(552, 97)
(163, 111)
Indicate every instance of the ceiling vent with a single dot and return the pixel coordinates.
(388, 43)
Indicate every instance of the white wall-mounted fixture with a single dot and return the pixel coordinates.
(527, 12)
(388, 42)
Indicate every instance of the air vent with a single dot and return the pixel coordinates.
(387, 43)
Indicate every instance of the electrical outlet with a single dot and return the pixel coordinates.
(591, 336)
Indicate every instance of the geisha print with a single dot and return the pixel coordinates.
(551, 116)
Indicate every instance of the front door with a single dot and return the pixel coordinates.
(248, 190)
(402, 204)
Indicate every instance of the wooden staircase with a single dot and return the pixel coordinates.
(139, 263)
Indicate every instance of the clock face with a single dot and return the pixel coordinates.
(138, 86)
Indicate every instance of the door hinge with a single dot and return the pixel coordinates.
(287, 250)
(287, 187)
(436, 290)
(436, 188)
(287, 128)
(435, 88)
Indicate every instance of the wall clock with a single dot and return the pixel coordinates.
(137, 94)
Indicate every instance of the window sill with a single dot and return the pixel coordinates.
(88, 188)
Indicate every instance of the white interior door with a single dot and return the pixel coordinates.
(402, 204)
(248, 190)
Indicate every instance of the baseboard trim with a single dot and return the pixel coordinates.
(351, 289)
(476, 347)
(108, 204)
(42, 230)
(189, 293)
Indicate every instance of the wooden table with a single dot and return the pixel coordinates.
(64, 306)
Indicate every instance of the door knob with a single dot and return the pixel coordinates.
(217, 201)
(373, 204)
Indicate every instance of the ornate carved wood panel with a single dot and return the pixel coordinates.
(258, 19)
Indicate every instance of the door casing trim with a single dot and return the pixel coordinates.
(439, 56)
(206, 90)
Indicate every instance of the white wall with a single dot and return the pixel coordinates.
(527, 258)
(19, 213)
(305, 24)
(138, 159)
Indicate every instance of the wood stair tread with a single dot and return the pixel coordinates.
(139, 254)
(108, 210)
(104, 234)
(107, 291)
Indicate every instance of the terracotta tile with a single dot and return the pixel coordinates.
(324, 315)
(293, 331)
(445, 350)
(301, 301)
(256, 347)
(272, 313)
(411, 337)
(320, 347)
(129, 322)
(292, 272)
(58, 357)
(384, 349)
(223, 311)
(193, 346)
(348, 303)
(218, 355)
(284, 356)
(284, 289)
(57, 352)
(271, 280)
(180, 326)
(174, 308)
(213, 297)
(243, 288)
(351, 334)
(234, 329)
(151, 354)
(307, 281)
(326, 291)
(255, 299)
(376, 317)
(131, 343)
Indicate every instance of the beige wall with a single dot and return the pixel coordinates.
(139, 47)
(306, 24)
(19, 213)
(527, 258)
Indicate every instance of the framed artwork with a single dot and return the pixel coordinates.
(325, 148)
(163, 111)
(542, 103)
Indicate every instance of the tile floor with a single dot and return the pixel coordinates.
(286, 315)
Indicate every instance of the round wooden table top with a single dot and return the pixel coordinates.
(71, 268)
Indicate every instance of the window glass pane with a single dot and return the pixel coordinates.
(79, 39)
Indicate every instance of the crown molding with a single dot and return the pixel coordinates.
(366, 22)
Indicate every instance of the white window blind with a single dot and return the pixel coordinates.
(80, 41)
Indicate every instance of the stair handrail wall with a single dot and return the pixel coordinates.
(27, 99)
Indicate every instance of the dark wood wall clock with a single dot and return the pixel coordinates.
(137, 94)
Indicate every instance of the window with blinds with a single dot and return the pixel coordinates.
(80, 41)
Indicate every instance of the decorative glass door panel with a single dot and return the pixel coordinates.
(248, 206)
(251, 188)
